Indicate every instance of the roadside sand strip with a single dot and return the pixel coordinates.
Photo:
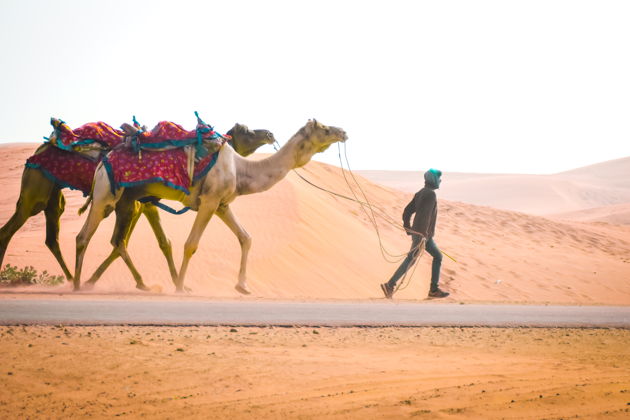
(219, 372)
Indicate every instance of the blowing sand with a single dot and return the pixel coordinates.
(224, 372)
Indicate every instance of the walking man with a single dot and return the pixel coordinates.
(424, 205)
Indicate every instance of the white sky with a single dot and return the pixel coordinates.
(469, 86)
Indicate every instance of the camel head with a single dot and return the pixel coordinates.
(315, 138)
(246, 141)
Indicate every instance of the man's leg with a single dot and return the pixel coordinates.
(404, 266)
(434, 251)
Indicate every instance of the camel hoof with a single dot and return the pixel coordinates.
(142, 287)
(242, 289)
(183, 290)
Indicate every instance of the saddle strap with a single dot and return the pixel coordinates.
(156, 202)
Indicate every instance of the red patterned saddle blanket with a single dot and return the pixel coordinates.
(67, 169)
(69, 157)
(95, 134)
(168, 154)
(127, 168)
(170, 135)
(164, 157)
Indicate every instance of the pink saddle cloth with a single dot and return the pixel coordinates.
(127, 168)
(98, 132)
(168, 133)
(65, 168)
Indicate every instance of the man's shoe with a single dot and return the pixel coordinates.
(438, 293)
(387, 291)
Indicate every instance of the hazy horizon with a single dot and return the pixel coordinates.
(533, 87)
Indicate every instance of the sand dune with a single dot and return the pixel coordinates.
(599, 185)
(308, 244)
(614, 214)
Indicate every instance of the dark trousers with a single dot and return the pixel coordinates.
(432, 249)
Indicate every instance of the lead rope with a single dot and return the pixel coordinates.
(416, 251)
(372, 218)
(384, 252)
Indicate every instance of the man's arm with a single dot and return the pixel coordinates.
(409, 210)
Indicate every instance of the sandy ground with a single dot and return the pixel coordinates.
(236, 372)
(308, 244)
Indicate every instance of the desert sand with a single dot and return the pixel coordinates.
(614, 214)
(308, 244)
(225, 372)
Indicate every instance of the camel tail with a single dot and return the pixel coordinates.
(86, 205)
(88, 201)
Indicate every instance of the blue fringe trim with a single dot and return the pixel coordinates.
(62, 146)
(110, 174)
(115, 185)
(205, 170)
(89, 141)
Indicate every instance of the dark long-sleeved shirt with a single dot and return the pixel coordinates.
(424, 205)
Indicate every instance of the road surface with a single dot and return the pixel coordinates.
(181, 312)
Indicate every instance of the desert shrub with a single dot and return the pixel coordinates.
(13, 276)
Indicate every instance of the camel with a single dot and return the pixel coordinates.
(232, 176)
(39, 193)
(244, 141)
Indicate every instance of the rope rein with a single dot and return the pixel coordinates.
(417, 251)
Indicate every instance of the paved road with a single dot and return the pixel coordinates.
(178, 312)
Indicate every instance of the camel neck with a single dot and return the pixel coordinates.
(258, 176)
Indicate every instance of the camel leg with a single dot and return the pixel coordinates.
(127, 214)
(100, 209)
(113, 255)
(53, 212)
(204, 214)
(34, 195)
(153, 216)
(101, 268)
(225, 213)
